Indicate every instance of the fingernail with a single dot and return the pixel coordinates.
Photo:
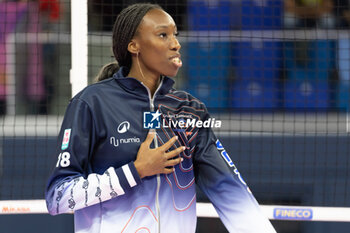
(176, 137)
(183, 148)
(182, 159)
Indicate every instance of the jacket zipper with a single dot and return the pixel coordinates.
(151, 99)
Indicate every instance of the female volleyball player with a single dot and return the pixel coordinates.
(131, 147)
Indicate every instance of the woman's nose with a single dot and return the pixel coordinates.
(175, 45)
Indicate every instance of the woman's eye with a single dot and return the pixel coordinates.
(162, 35)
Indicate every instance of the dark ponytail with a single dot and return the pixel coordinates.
(124, 30)
(107, 71)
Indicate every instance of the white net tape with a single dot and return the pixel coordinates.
(206, 210)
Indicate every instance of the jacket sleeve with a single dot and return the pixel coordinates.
(72, 186)
(218, 177)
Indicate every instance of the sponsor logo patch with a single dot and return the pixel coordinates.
(293, 213)
(66, 138)
(123, 127)
(151, 120)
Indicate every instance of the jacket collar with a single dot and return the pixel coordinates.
(135, 85)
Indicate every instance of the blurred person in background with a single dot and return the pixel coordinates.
(308, 14)
(11, 12)
(43, 17)
(342, 11)
(32, 74)
(311, 14)
(51, 16)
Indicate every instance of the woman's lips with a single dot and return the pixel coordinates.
(176, 61)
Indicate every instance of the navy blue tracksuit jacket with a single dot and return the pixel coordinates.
(95, 176)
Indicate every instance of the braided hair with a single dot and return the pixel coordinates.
(124, 29)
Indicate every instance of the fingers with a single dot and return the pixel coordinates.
(169, 143)
(175, 152)
(149, 138)
(168, 170)
(173, 162)
(170, 165)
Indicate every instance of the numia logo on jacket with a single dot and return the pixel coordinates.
(152, 120)
(120, 139)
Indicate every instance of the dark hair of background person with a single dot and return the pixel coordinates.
(124, 29)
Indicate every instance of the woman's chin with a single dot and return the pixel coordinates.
(172, 73)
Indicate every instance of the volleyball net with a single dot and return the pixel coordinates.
(280, 85)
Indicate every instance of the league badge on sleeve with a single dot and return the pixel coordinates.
(66, 138)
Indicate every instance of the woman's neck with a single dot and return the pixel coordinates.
(151, 81)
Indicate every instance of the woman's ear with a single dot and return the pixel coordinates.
(133, 47)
